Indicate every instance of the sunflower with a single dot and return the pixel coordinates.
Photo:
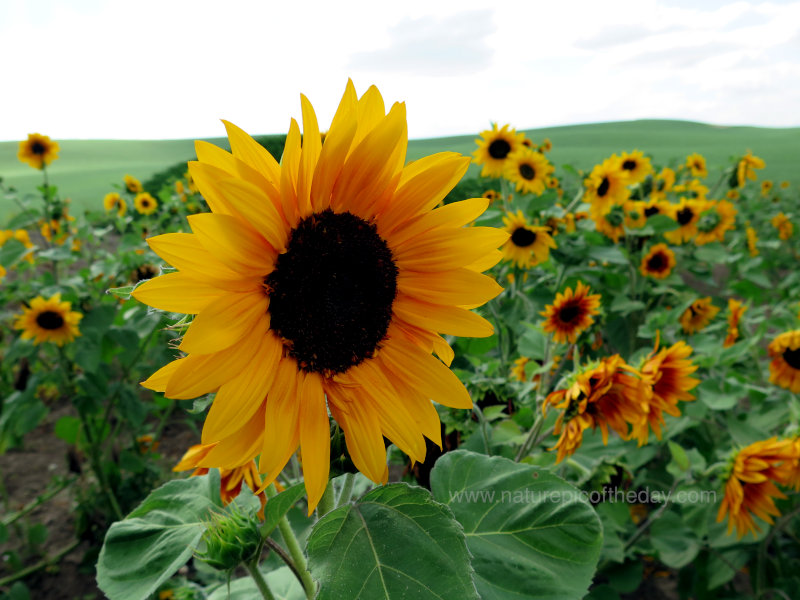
(636, 165)
(145, 204)
(320, 284)
(133, 185)
(48, 320)
(697, 165)
(527, 245)
(693, 189)
(785, 185)
(733, 195)
(654, 206)
(571, 313)
(784, 226)
(735, 311)
(745, 169)
(518, 370)
(546, 145)
(607, 183)
(698, 315)
(609, 219)
(658, 262)
(668, 372)
(687, 213)
(634, 214)
(718, 218)
(663, 183)
(3, 272)
(114, 201)
(494, 147)
(752, 240)
(750, 489)
(766, 187)
(529, 170)
(784, 370)
(38, 151)
(491, 195)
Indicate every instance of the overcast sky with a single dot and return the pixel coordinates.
(172, 68)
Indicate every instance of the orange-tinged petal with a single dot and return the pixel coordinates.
(225, 321)
(447, 248)
(458, 286)
(451, 320)
(239, 248)
(281, 428)
(240, 447)
(364, 439)
(177, 292)
(257, 209)
(312, 146)
(290, 165)
(185, 252)
(158, 380)
(315, 445)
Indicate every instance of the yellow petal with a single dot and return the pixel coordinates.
(315, 432)
(252, 153)
(185, 252)
(312, 145)
(225, 321)
(452, 320)
(258, 211)
(452, 215)
(446, 249)
(363, 436)
(237, 247)
(371, 110)
(158, 380)
(240, 447)
(281, 426)
(177, 292)
(458, 287)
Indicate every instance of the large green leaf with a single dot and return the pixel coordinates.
(531, 534)
(282, 583)
(394, 543)
(157, 538)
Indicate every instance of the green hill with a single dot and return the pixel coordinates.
(88, 169)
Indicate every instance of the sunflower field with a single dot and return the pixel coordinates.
(325, 371)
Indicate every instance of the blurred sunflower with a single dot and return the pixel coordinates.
(528, 170)
(634, 214)
(518, 370)
(687, 213)
(114, 201)
(38, 151)
(320, 284)
(692, 189)
(750, 489)
(527, 245)
(494, 146)
(697, 165)
(784, 370)
(571, 313)
(3, 272)
(654, 207)
(658, 262)
(735, 311)
(662, 183)
(491, 195)
(784, 226)
(745, 169)
(636, 165)
(785, 185)
(609, 219)
(606, 184)
(752, 240)
(49, 320)
(718, 217)
(733, 195)
(145, 204)
(698, 315)
(133, 185)
(766, 187)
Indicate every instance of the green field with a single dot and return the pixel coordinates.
(88, 169)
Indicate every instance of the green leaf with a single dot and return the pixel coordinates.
(395, 542)
(624, 305)
(679, 456)
(157, 538)
(677, 545)
(531, 534)
(278, 506)
(661, 223)
(67, 429)
(282, 583)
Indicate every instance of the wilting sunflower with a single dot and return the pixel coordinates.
(320, 284)
(697, 165)
(606, 184)
(745, 169)
(609, 219)
(784, 226)
(752, 240)
(718, 218)
(658, 262)
(114, 201)
(494, 146)
(38, 150)
(636, 165)
(735, 311)
(527, 245)
(784, 370)
(687, 213)
(608, 394)
(145, 204)
(698, 315)
(528, 170)
(751, 490)
(48, 320)
(571, 313)
(133, 185)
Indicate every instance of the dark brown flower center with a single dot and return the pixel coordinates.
(526, 171)
(569, 312)
(650, 211)
(602, 189)
(332, 291)
(629, 165)
(523, 237)
(657, 262)
(499, 149)
(49, 319)
(792, 357)
(685, 215)
(38, 148)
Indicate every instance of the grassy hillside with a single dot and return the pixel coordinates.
(87, 169)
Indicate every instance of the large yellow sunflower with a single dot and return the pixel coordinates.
(529, 170)
(687, 213)
(571, 313)
(636, 165)
(38, 150)
(784, 370)
(320, 284)
(607, 184)
(698, 315)
(658, 262)
(494, 147)
(527, 245)
(718, 218)
(49, 320)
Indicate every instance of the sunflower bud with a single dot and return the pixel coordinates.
(232, 538)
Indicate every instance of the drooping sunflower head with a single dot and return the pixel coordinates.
(133, 185)
(494, 147)
(114, 201)
(48, 320)
(669, 370)
(145, 204)
(696, 165)
(636, 165)
(658, 262)
(698, 315)
(784, 226)
(752, 241)
(746, 167)
(324, 283)
(38, 151)
(528, 170)
(527, 245)
(571, 313)
(784, 370)
(717, 218)
(735, 311)
(607, 183)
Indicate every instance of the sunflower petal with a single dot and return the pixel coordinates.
(315, 445)
(237, 247)
(177, 292)
(225, 321)
(452, 320)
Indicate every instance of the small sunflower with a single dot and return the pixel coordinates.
(662, 183)
(607, 184)
(718, 218)
(751, 490)
(528, 245)
(546, 145)
(518, 370)
(752, 240)
(636, 165)
(698, 315)
(114, 201)
(697, 165)
(745, 169)
(571, 313)
(654, 206)
(766, 187)
(733, 195)
(609, 219)
(735, 311)
(494, 147)
(784, 370)
(784, 226)
(145, 204)
(528, 170)
(133, 185)
(3, 272)
(38, 151)
(785, 185)
(687, 213)
(48, 320)
(491, 195)
(692, 189)
(658, 262)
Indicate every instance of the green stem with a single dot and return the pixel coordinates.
(764, 548)
(46, 561)
(347, 490)
(483, 425)
(501, 338)
(326, 503)
(532, 435)
(261, 583)
(294, 550)
(654, 517)
(8, 519)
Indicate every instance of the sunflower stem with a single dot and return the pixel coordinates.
(347, 490)
(532, 435)
(294, 550)
(483, 425)
(261, 583)
(326, 503)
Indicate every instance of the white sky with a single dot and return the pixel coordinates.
(149, 69)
